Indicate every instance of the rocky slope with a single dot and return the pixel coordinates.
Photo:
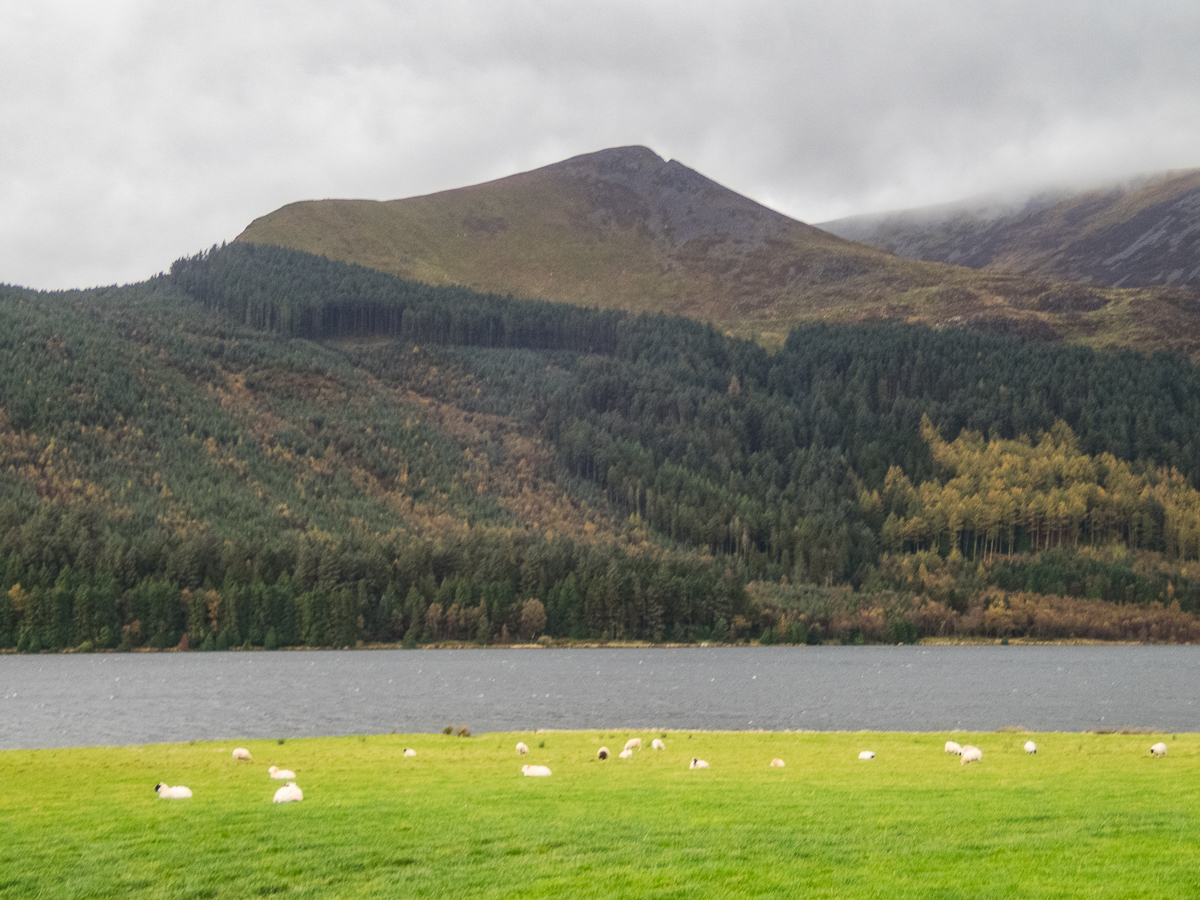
(1138, 234)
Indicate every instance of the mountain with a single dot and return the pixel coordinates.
(1141, 233)
(621, 228)
(625, 229)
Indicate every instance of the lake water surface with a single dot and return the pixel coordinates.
(117, 699)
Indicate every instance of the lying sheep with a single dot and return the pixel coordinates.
(697, 764)
(535, 771)
(409, 751)
(166, 792)
(658, 745)
(954, 747)
(1030, 747)
(522, 748)
(867, 754)
(241, 753)
(777, 763)
(627, 753)
(971, 754)
(1159, 749)
(289, 793)
(633, 744)
(282, 774)
(602, 753)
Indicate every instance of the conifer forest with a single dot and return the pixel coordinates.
(264, 448)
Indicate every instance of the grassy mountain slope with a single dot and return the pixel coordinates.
(624, 229)
(1138, 234)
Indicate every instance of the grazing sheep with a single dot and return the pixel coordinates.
(633, 744)
(658, 745)
(698, 764)
(625, 754)
(179, 792)
(971, 754)
(603, 753)
(867, 754)
(535, 771)
(282, 774)
(777, 763)
(954, 747)
(1159, 749)
(289, 793)
(409, 751)
(1030, 747)
(522, 748)
(241, 753)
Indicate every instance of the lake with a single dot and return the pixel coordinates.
(117, 699)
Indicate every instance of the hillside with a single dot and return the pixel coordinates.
(267, 447)
(624, 229)
(1144, 233)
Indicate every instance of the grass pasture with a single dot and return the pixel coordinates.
(1089, 816)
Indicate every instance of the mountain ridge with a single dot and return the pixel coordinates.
(1143, 232)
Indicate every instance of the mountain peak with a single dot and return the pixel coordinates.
(621, 227)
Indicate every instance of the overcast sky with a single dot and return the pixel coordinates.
(132, 133)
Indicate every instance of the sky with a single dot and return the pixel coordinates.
(136, 132)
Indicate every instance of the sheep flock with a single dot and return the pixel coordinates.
(291, 792)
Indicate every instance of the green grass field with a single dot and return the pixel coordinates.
(1088, 816)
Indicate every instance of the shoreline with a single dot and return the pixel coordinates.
(569, 644)
(614, 731)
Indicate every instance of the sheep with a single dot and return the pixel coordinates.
(1159, 749)
(658, 745)
(954, 747)
(535, 771)
(867, 754)
(1030, 747)
(522, 748)
(241, 753)
(777, 763)
(289, 793)
(282, 774)
(697, 764)
(409, 751)
(625, 754)
(603, 753)
(971, 754)
(633, 744)
(179, 792)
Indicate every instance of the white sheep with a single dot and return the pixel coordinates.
(633, 744)
(971, 754)
(179, 792)
(954, 747)
(535, 771)
(658, 745)
(698, 764)
(1159, 749)
(777, 763)
(1030, 747)
(241, 753)
(289, 793)
(522, 748)
(867, 754)
(603, 753)
(627, 753)
(282, 774)
(409, 751)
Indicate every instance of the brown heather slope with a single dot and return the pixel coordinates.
(1142, 233)
(623, 228)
